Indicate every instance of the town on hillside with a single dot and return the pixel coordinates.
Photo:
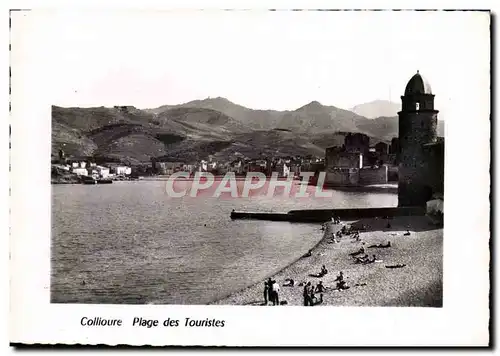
(355, 162)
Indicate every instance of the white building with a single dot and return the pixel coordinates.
(80, 171)
(103, 172)
(123, 170)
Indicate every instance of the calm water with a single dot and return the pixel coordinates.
(131, 243)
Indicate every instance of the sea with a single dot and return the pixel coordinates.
(131, 243)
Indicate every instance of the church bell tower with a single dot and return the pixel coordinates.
(417, 126)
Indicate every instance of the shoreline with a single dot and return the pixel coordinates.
(270, 275)
(419, 283)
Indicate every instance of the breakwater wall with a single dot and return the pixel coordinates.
(322, 215)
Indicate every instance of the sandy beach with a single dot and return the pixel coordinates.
(419, 283)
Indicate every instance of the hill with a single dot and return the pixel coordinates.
(315, 118)
(133, 135)
(255, 119)
(377, 108)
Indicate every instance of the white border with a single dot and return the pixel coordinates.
(462, 320)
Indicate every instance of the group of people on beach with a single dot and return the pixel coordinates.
(344, 231)
(271, 289)
(361, 257)
(309, 293)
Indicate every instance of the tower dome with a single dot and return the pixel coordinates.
(418, 85)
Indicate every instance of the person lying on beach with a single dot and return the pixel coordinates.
(317, 275)
(308, 254)
(342, 285)
(399, 265)
(407, 233)
(359, 252)
(321, 273)
(360, 284)
(289, 282)
(388, 244)
(373, 259)
(361, 259)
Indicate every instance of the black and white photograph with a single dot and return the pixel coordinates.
(253, 158)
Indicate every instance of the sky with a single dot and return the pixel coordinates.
(259, 59)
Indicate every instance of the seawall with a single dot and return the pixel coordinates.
(322, 215)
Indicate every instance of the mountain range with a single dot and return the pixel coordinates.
(214, 126)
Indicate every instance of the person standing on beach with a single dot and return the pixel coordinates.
(266, 292)
(311, 296)
(306, 293)
(270, 289)
(275, 291)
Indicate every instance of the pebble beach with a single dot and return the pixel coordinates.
(418, 283)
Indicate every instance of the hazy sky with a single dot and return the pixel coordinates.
(259, 59)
